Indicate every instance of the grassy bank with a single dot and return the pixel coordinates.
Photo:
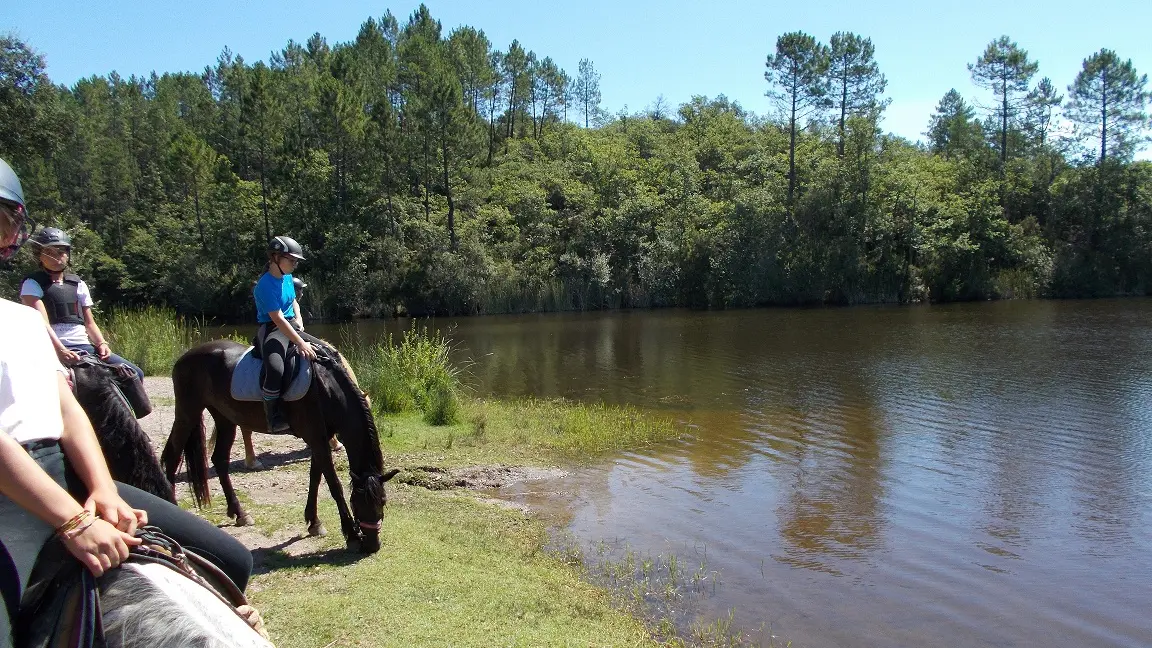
(453, 570)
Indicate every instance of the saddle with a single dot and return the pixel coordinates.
(123, 378)
(248, 374)
(61, 606)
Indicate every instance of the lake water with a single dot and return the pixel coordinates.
(966, 475)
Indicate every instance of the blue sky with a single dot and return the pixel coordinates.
(641, 48)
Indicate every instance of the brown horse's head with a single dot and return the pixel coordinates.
(368, 500)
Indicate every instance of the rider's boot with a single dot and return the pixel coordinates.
(275, 414)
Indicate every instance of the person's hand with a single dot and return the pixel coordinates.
(249, 614)
(113, 509)
(67, 356)
(306, 350)
(100, 547)
(104, 351)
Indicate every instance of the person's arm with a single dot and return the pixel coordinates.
(299, 313)
(64, 353)
(24, 482)
(95, 335)
(292, 334)
(97, 544)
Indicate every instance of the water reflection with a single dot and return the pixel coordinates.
(977, 474)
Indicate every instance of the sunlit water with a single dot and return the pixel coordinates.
(971, 475)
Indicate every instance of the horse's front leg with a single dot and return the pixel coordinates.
(348, 523)
(221, 458)
(315, 526)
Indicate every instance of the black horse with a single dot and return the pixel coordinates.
(334, 405)
(126, 447)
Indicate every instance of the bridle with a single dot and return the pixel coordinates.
(360, 485)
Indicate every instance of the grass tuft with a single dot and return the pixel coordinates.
(572, 429)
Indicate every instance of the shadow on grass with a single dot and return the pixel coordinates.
(270, 559)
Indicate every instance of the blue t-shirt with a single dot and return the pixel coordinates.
(272, 295)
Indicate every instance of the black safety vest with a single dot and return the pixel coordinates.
(60, 299)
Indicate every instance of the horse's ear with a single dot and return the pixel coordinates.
(390, 474)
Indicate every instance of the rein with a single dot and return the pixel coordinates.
(160, 549)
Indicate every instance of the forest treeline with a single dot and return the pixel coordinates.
(429, 172)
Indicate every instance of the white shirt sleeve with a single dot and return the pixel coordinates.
(31, 288)
(83, 295)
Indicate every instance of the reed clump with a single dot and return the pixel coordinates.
(415, 373)
(152, 337)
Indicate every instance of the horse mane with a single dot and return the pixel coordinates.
(143, 609)
(126, 446)
(344, 373)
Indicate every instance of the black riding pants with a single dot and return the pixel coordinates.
(273, 347)
(22, 534)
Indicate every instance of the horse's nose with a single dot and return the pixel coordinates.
(370, 544)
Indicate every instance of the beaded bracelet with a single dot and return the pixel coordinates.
(76, 521)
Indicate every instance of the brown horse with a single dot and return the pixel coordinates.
(126, 448)
(333, 405)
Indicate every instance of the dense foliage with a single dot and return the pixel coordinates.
(434, 173)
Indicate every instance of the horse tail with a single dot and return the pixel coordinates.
(187, 435)
(196, 461)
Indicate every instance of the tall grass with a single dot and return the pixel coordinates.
(415, 374)
(152, 337)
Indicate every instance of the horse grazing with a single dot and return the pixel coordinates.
(333, 405)
(126, 448)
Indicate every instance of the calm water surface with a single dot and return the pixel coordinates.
(972, 475)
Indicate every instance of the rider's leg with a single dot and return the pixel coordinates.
(193, 532)
(273, 354)
(117, 360)
(112, 358)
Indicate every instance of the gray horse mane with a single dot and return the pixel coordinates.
(138, 613)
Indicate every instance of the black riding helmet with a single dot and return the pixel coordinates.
(52, 237)
(299, 284)
(286, 245)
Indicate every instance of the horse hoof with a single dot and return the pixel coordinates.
(245, 520)
(317, 530)
(254, 466)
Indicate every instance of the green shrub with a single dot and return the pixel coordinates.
(415, 374)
